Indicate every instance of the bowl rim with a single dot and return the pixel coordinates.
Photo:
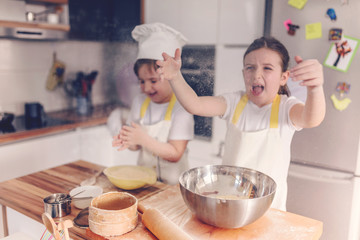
(128, 183)
(113, 192)
(86, 188)
(222, 165)
(148, 169)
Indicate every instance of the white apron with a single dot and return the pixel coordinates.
(167, 172)
(259, 150)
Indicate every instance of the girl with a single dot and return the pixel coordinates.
(158, 125)
(263, 119)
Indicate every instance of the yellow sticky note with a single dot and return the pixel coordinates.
(313, 30)
(299, 4)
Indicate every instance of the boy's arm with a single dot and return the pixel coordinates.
(310, 74)
(135, 135)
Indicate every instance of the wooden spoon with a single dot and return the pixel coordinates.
(50, 225)
(64, 226)
(53, 229)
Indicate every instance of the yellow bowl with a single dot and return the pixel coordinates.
(130, 177)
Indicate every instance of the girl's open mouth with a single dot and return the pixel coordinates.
(257, 90)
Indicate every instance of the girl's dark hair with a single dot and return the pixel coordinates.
(275, 45)
(140, 62)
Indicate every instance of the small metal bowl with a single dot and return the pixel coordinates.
(58, 205)
(227, 196)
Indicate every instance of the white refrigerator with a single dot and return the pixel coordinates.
(324, 174)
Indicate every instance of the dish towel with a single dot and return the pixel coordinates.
(48, 236)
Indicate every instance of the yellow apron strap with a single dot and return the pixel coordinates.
(274, 117)
(144, 107)
(239, 108)
(169, 109)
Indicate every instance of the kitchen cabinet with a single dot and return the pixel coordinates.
(197, 20)
(24, 157)
(14, 22)
(92, 144)
(107, 20)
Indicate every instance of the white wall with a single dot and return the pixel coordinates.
(25, 64)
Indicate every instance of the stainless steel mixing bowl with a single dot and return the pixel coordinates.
(227, 196)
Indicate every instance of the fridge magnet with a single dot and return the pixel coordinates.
(291, 28)
(299, 4)
(286, 24)
(341, 54)
(313, 31)
(331, 13)
(342, 88)
(335, 34)
(340, 104)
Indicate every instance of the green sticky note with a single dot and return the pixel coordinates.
(299, 4)
(313, 30)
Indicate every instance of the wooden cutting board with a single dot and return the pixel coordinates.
(275, 224)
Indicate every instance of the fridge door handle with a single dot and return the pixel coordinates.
(345, 178)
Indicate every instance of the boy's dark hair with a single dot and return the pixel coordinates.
(140, 62)
(275, 45)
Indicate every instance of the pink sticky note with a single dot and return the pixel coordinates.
(286, 22)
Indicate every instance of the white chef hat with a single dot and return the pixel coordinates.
(156, 38)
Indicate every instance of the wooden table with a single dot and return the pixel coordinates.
(25, 195)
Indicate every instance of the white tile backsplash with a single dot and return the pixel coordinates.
(25, 65)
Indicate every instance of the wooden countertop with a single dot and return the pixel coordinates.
(25, 195)
(98, 116)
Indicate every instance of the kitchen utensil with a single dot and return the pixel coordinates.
(34, 115)
(6, 118)
(90, 181)
(227, 196)
(162, 227)
(56, 74)
(53, 229)
(130, 177)
(32, 16)
(113, 214)
(57, 205)
(82, 219)
(84, 195)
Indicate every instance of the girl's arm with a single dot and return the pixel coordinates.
(207, 106)
(310, 74)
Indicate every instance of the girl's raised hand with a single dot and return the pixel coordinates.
(308, 72)
(169, 68)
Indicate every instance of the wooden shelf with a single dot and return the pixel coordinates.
(50, 1)
(12, 24)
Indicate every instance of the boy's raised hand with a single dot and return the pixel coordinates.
(129, 136)
(308, 72)
(169, 68)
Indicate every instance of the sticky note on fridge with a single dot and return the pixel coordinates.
(313, 31)
(299, 4)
